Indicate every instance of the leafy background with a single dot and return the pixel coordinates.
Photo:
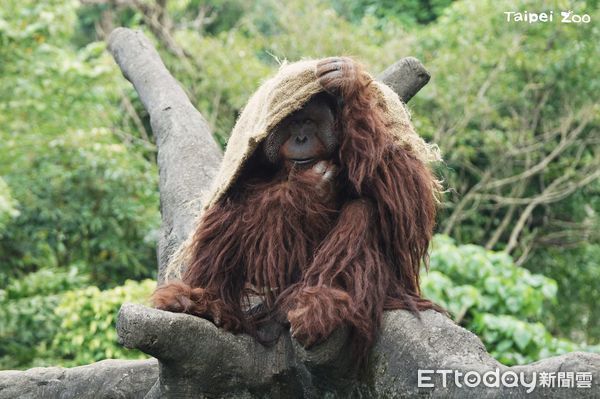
(513, 107)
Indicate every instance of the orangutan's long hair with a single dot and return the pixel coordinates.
(317, 255)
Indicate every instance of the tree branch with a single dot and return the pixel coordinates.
(564, 143)
(219, 364)
(406, 77)
(188, 156)
(550, 194)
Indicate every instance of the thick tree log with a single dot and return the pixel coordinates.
(105, 379)
(216, 363)
(406, 77)
(188, 156)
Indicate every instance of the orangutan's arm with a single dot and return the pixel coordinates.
(213, 283)
(346, 282)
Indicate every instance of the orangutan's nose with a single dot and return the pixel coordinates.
(301, 139)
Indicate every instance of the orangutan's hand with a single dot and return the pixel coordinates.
(341, 76)
(318, 312)
(179, 297)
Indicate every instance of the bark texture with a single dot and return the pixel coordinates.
(105, 379)
(188, 156)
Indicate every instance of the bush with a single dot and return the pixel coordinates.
(576, 315)
(84, 187)
(487, 281)
(7, 205)
(513, 341)
(86, 201)
(87, 332)
(488, 294)
(28, 320)
(62, 328)
(44, 282)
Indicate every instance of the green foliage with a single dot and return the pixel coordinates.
(78, 196)
(44, 282)
(225, 68)
(84, 201)
(225, 13)
(503, 97)
(88, 321)
(576, 313)
(26, 327)
(406, 12)
(513, 341)
(8, 205)
(27, 314)
(63, 323)
(45, 84)
(504, 304)
(501, 287)
(85, 197)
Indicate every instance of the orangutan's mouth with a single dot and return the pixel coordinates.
(304, 161)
